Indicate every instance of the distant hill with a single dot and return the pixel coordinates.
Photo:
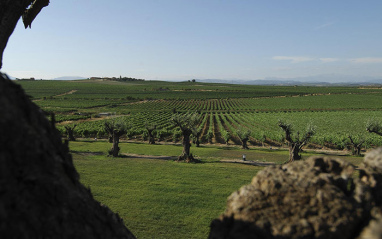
(320, 80)
(70, 78)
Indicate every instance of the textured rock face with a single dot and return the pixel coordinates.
(40, 192)
(315, 198)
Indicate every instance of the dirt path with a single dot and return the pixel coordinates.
(254, 163)
(66, 93)
(248, 162)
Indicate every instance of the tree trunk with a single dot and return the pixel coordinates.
(70, 133)
(197, 141)
(356, 147)
(294, 150)
(186, 155)
(151, 137)
(186, 144)
(115, 149)
(356, 150)
(244, 144)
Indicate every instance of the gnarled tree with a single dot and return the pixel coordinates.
(356, 142)
(115, 127)
(296, 141)
(243, 135)
(70, 132)
(187, 124)
(150, 132)
(374, 126)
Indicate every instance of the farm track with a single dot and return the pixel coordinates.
(155, 157)
(254, 163)
(66, 93)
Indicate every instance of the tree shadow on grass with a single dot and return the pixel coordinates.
(138, 156)
(87, 152)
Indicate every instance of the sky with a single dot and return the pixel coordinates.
(199, 39)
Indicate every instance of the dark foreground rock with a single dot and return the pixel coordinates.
(40, 192)
(315, 198)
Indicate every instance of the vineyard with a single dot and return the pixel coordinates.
(336, 112)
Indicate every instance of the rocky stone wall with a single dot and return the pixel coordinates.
(315, 198)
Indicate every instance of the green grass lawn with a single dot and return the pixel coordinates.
(164, 198)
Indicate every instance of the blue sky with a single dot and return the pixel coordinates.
(201, 39)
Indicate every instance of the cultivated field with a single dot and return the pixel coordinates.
(161, 198)
(336, 112)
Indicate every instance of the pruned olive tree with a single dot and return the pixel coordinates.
(296, 141)
(226, 136)
(187, 123)
(243, 134)
(374, 126)
(150, 132)
(70, 132)
(116, 127)
(356, 143)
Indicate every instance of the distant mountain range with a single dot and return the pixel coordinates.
(321, 80)
(70, 78)
(58, 78)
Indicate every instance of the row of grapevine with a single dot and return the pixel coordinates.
(311, 103)
(332, 128)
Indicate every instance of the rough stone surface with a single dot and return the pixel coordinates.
(40, 192)
(315, 198)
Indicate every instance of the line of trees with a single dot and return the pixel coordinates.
(189, 128)
(187, 123)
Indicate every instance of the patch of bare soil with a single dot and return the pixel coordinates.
(142, 102)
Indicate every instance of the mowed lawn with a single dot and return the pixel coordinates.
(159, 198)
(163, 198)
